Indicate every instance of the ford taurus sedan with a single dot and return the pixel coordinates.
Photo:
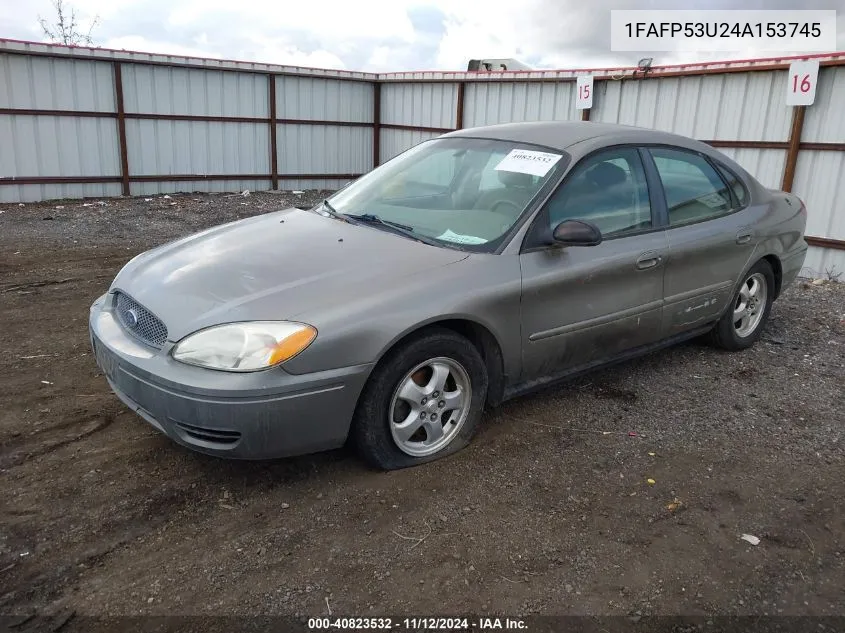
(471, 268)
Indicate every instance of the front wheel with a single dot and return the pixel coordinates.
(743, 323)
(424, 401)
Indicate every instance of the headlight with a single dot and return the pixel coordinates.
(248, 346)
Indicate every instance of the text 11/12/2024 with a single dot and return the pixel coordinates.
(486, 623)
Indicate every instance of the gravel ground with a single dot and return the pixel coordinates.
(138, 223)
(549, 511)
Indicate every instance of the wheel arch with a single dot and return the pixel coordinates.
(487, 344)
(772, 260)
(777, 270)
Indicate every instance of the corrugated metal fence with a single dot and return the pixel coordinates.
(91, 122)
(78, 122)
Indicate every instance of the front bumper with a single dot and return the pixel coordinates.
(256, 415)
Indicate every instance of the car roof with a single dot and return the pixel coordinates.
(579, 138)
(563, 134)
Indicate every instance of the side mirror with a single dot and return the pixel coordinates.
(577, 233)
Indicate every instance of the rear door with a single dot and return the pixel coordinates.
(581, 305)
(710, 233)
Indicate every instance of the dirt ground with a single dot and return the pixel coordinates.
(549, 511)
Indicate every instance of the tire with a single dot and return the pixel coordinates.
(727, 334)
(408, 371)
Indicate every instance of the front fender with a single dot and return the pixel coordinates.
(483, 289)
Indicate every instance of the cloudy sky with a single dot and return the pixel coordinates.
(379, 35)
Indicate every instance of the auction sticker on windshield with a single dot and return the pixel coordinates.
(450, 236)
(526, 161)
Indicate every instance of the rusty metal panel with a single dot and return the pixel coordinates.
(324, 149)
(395, 142)
(160, 147)
(43, 83)
(824, 121)
(766, 165)
(323, 99)
(736, 107)
(171, 90)
(426, 105)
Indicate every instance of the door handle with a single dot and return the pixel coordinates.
(648, 260)
(743, 237)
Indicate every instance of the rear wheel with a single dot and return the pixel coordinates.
(743, 323)
(424, 401)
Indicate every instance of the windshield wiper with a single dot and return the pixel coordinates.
(371, 218)
(402, 229)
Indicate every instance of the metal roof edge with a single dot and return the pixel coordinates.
(207, 63)
(108, 54)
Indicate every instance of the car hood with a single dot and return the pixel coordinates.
(270, 267)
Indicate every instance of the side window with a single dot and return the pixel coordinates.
(735, 184)
(608, 189)
(694, 191)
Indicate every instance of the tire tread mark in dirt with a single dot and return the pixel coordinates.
(20, 623)
(146, 519)
(40, 284)
(17, 457)
(50, 282)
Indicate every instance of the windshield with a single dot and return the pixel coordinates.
(460, 192)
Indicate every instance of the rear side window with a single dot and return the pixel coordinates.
(735, 184)
(694, 190)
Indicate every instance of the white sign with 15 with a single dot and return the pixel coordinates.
(584, 92)
(801, 83)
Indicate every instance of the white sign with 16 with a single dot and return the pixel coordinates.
(801, 83)
(584, 94)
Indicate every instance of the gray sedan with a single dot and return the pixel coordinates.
(472, 268)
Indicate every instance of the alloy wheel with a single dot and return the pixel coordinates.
(429, 406)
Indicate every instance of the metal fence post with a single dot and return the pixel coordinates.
(121, 129)
(376, 124)
(459, 108)
(794, 147)
(274, 154)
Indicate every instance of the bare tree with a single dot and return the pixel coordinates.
(66, 29)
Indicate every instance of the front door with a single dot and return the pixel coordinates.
(582, 305)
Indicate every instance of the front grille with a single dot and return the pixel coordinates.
(139, 321)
